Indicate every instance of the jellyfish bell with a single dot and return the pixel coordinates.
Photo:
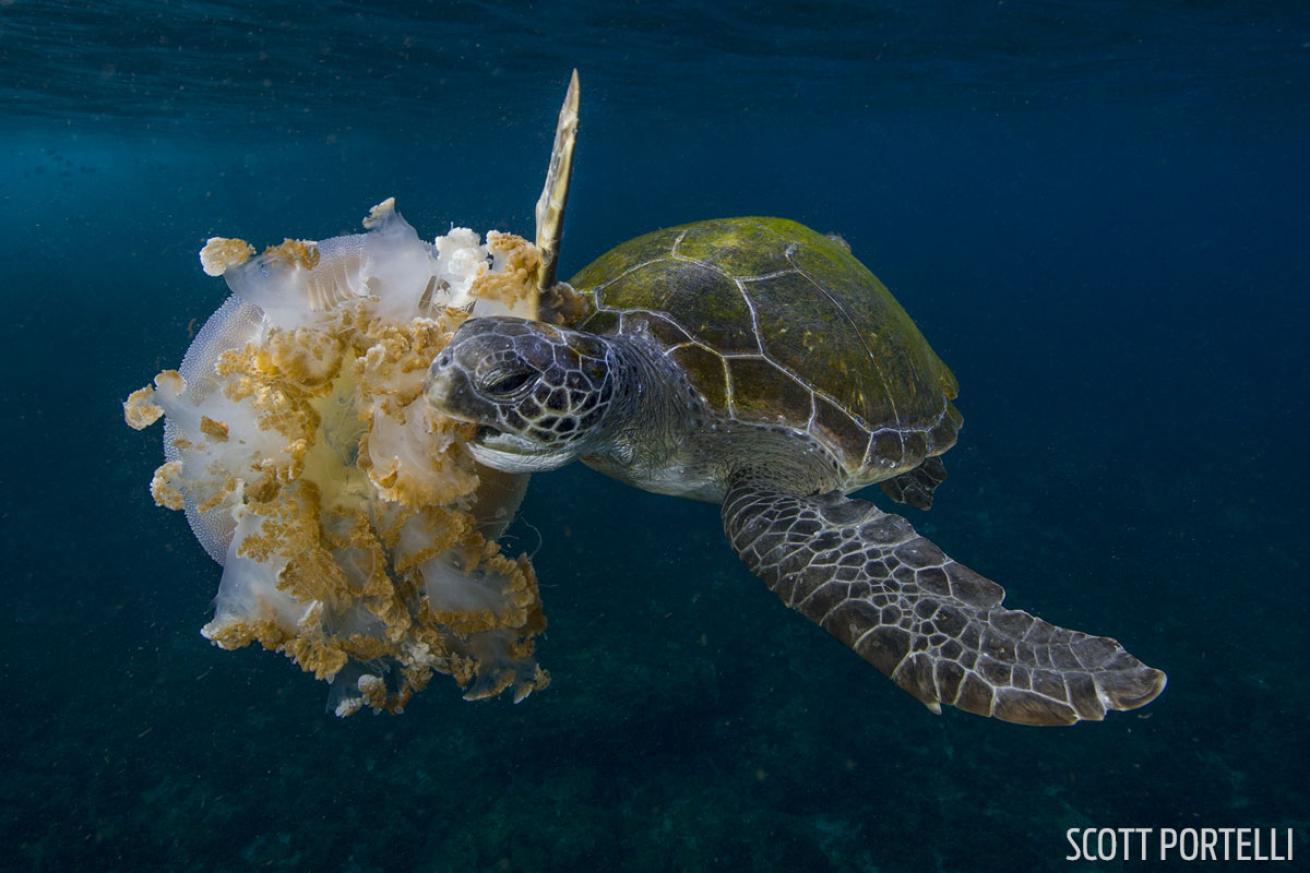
(356, 531)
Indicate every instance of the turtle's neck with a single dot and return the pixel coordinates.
(650, 416)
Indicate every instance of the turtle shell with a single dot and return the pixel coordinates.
(775, 324)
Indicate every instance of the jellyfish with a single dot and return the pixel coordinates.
(356, 534)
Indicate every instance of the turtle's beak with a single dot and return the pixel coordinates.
(440, 387)
(450, 392)
(513, 454)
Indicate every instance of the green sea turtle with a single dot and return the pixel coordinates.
(757, 364)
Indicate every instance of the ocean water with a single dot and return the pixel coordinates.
(1098, 214)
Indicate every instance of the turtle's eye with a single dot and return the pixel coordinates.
(504, 383)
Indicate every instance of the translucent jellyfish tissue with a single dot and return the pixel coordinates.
(356, 534)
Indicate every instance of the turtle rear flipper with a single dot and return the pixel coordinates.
(934, 626)
(916, 487)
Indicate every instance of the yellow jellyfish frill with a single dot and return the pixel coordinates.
(356, 534)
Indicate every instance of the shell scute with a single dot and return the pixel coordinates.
(659, 327)
(886, 450)
(740, 249)
(896, 348)
(706, 372)
(798, 329)
(835, 427)
(613, 266)
(761, 392)
(703, 301)
(603, 322)
(943, 435)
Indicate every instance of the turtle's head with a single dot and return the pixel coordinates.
(538, 393)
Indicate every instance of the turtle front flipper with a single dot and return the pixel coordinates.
(555, 193)
(934, 626)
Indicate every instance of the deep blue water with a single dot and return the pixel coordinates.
(1098, 213)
